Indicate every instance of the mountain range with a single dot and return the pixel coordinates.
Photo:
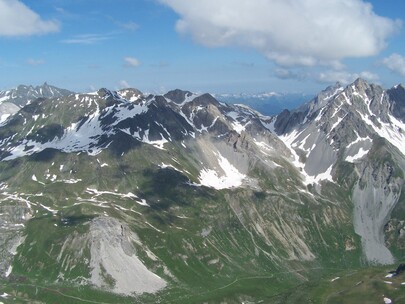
(268, 103)
(12, 100)
(117, 196)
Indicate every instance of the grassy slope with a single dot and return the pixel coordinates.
(223, 264)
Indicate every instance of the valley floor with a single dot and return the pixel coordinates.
(367, 285)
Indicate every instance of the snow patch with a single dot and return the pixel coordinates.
(4, 117)
(346, 98)
(358, 140)
(337, 122)
(156, 143)
(327, 175)
(359, 155)
(8, 272)
(70, 181)
(387, 301)
(128, 195)
(230, 178)
(4, 295)
(394, 131)
(289, 140)
(53, 211)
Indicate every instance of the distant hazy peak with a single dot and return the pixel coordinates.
(24, 94)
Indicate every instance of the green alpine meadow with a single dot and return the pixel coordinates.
(125, 197)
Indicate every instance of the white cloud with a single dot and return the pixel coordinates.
(282, 73)
(86, 39)
(35, 62)
(16, 19)
(372, 77)
(345, 77)
(131, 62)
(395, 63)
(290, 32)
(132, 26)
(124, 84)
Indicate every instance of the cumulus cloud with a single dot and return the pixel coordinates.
(345, 77)
(372, 77)
(16, 19)
(395, 63)
(131, 62)
(289, 32)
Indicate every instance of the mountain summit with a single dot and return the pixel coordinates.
(167, 196)
(24, 94)
(355, 125)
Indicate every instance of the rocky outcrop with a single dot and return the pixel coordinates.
(397, 100)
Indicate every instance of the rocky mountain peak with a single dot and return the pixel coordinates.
(361, 86)
(24, 94)
(103, 92)
(152, 186)
(130, 94)
(324, 97)
(178, 96)
(360, 82)
(330, 91)
(287, 120)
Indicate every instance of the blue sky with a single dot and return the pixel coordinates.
(218, 46)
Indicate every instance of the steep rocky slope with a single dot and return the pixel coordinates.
(184, 197)
(358, 129)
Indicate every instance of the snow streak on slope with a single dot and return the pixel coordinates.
(393, 131)
(239, 122)
(356, 157)
(85, 137)
(289, 140)
(229, 178)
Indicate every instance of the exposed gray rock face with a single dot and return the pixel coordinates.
(12, 218)
(178, 96)
(322, 99)
(113, 261)
(6, 110)
(374, 197)
(288, 120)
(346, 125)
(283, 188)
(23, 94)
(397, 99)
